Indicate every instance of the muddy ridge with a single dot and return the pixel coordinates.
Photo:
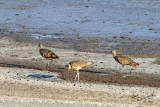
(92, 75)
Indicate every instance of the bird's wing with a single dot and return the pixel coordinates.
(124, 60)
(48, 53)
(81, 63)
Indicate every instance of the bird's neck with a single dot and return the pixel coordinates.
(69, 66)
(40, 47)
(114, 55)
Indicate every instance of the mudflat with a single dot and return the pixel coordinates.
(24, 78)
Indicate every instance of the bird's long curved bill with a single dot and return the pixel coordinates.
(68, 74)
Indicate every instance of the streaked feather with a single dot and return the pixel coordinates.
(78, 64)
(48, 54)
(124, 60)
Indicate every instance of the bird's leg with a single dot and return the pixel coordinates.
(76, 75)
(122, 68)
(47, 64)
(130, 72)
(68, 74)
(50, 62)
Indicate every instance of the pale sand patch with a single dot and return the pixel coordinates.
(42, 102)
(27, 90)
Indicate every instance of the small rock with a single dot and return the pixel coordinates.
(87, 6)
(11, 32)
(114, 37)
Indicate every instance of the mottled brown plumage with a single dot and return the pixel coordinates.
(77, 65)
(48, 54)
(124, 60)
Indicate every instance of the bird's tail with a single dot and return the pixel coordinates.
(134, 64)
(54, 56)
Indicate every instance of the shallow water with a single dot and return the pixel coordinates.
(84, 18)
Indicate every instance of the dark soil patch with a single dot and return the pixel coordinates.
(139, 79)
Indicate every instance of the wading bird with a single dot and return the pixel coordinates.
(77, 65)
(124, 60)
(48, 54)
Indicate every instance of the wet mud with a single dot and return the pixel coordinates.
(92, 75)
(123, 44)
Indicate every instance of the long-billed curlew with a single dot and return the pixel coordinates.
(124, 60)
(48, 54)
(77, 65)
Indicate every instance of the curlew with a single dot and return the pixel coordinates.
(48, 54)
(77, 65)
(124, 60)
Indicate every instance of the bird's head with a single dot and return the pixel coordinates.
(113, 51)
(68, 67)
(40, 46)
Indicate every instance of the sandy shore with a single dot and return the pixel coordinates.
(38, 92)
(23, 84)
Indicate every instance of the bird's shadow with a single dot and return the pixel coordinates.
(40, 76)
(97, 72)
(60, 68)
(15, 65)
